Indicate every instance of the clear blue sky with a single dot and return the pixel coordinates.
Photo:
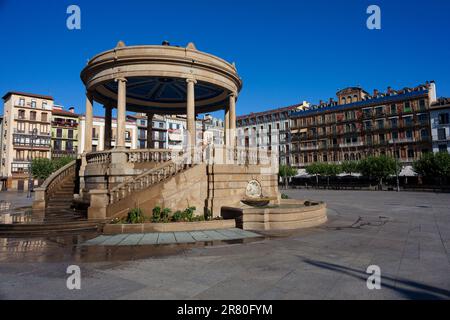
(285, 51)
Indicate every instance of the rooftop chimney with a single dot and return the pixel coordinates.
(375, 92)
(72, 110)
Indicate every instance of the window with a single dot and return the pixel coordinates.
(33, 115)
(69, 145)
(409, 134)
(410, 153)
(70, 134)
(33, 103)
(442, 148)
(380, 124)
(381, 138)
(44, 117)
(422, 105)
(393, 109)
(57, 145)
(21, 102)
(395, 135)
(443, 118)
(423, 118)
(407, 107)
(59, 133)
(44, 104)
(408, 121)
(379, 111)
(394, 123)
(441, 134)
(21, 114)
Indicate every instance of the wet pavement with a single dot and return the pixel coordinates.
(406, 234)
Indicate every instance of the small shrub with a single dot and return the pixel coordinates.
(284, 196)
(165, 215)
(177, 216)
(156, 214)
(135, 216)
(188, 213)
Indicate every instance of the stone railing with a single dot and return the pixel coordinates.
(46, 190)
(149, 178)
(98, 157)
(133, 156)
(151, 155)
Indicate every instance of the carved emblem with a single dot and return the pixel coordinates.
(254, 189)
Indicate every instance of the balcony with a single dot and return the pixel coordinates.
(309, 148)
(64, 153)
(352, 144)
(402, 140)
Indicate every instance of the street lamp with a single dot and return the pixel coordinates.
(30, 174)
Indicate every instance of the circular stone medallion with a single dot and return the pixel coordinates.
(254, 189)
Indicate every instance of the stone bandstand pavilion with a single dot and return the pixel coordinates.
(161, 79)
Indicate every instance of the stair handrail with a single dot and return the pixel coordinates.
(55, 178)
(150, 177)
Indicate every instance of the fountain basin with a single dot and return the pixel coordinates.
(287, 215)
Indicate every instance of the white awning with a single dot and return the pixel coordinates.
(175, 137)
(303, 130)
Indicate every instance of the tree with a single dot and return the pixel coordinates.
(350, 167)
(286, 172)
(315, 169)
(331, 170)
(379, 168)
(58, 163)
(433, 165)
(41, 168)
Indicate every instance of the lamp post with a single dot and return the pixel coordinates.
(30, 174)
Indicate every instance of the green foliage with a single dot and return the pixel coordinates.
(378, 167)
(135, 216)
(177, 216)
(41, 168)
(433, 165)
(188, 213)
(350, 167)
(284, 196)
(324, 169)
(156, 214)
(165, 215)
(287, 171)
(61, 162)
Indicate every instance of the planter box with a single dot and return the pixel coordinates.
(168, 227)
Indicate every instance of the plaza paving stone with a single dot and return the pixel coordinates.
(406, 234)
(170, 237)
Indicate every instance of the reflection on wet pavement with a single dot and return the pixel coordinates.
(68, 247)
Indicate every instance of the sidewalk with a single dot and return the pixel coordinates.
(16, 199)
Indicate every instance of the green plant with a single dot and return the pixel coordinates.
(378, 167)
(350, 167)
(41, 168)
(188, 213)
(165, 215)
(58, 163)
(135, 215)
(284, 196)
(156, 214)
(286, 172)
(177, 216)
(433, 165)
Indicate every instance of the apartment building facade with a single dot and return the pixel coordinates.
(98, 133)
(394, 123)
(159, 131)
(440, 125)
(268, 130)
(26, 136)
(64, 132)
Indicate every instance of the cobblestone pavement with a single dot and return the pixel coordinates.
(406, 234)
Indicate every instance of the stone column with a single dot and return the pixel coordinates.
(121, 112)
(226, 130)
(88, 123)
(108, 127)
(191, 111)
(150, 131)
(232, 120)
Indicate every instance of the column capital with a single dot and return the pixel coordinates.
(233, 94)
(120, 79)
(189, 80)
